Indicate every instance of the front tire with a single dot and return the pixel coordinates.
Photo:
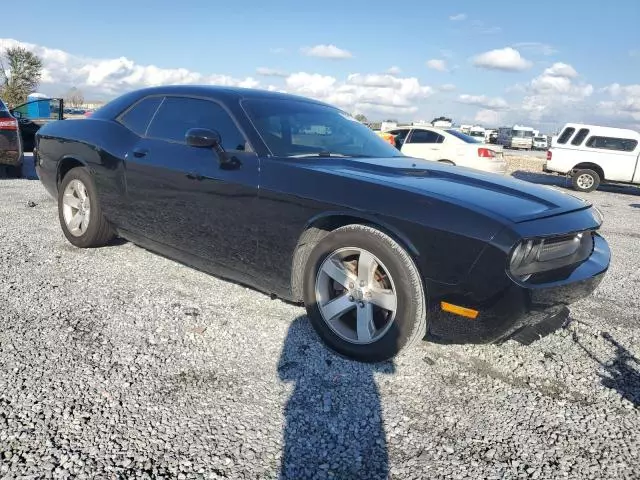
(585, 180)
(79, 211)
(364, 294)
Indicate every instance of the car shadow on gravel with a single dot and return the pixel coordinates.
(559, 181)
(333, 419)
(622, 373)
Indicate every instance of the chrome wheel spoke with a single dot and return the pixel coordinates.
(365, 329)
(337, 272)
(385, 299)
(71, 200)
(336, 307)
(367, 265)
(76, 220)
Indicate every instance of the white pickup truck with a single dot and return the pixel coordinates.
(592, 155)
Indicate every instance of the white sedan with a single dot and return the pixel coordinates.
(450, 146)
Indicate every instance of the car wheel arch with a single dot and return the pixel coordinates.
(65, 164)
(589, 166)
(318, 227)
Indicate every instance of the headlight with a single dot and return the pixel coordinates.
(544, 254)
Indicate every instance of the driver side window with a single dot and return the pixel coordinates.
(176, 115)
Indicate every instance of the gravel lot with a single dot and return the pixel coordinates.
(118, 363)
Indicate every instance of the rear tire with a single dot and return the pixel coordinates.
(374, 271)
(79, 211)
(585, 180)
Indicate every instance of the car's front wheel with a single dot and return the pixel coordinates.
(79, 211)
(364, 294)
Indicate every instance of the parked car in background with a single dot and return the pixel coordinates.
(540, 142)
(33, 114)
(516, 137)
(10, 142)
(381, 249)
(450, 146)
(592, 155)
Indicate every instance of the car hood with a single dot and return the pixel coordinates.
(494, 195)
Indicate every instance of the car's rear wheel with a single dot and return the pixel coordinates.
(79, 211)
(364, 294)
(585, 180)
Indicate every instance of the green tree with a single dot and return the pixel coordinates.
(360, 117)
(20, 73)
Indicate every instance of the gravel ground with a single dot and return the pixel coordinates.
(118, 363)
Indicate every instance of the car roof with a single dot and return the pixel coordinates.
(610, 131)
(222, 93)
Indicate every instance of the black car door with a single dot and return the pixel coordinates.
(182, 196)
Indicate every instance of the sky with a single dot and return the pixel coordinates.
(496, 63)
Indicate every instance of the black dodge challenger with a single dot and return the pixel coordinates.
(297, 199)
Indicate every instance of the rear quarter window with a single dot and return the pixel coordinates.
(137, 117)
(566, 135)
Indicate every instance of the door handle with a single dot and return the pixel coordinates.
(140, 152)
(194, 176)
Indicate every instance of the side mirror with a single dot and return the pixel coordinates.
(203, 138)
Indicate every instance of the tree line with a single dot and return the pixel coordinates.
(21, 74)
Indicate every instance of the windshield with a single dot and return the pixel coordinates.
(540, 139)
(298, 128)
(477, 134)
(463, 136)
(522, 133)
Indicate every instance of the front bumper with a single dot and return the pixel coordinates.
(521, 311)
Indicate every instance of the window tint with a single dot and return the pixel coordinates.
(177, 115)
(425, 136)
(612, 143)
(303, 128)
(463, 136)
(138, 117)
(566, 135)
(580, 136)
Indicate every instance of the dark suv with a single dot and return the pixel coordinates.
(10, 142)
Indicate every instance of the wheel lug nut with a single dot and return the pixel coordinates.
(362, 283)
(351, 285)
(361, 304)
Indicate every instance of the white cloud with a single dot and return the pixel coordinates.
(103, 78)
(439, 65)
(625, 103)
(326, 51)
(484, 101)
(536, 48)
(447, 87)
(505, 59)
(270, 72)
(488, 118)
(458, 17)
(556, 93)
(364, 93)
(394, 70)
